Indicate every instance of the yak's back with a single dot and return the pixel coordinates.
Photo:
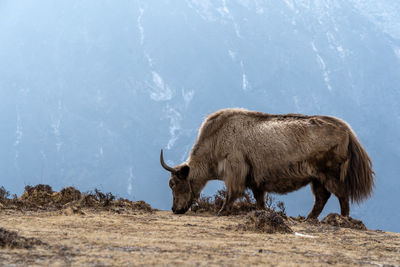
(216, 122)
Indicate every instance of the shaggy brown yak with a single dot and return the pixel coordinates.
(273, 153)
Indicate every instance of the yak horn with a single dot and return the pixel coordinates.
(168, 168)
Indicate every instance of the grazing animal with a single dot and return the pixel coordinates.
(273, 153)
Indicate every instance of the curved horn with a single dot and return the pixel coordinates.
(165, 166)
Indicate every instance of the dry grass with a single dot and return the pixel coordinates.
(49, 228)
(159, 238)
(10, 239)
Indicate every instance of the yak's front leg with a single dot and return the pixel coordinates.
(233, 169)
(344, 206)
(230, 197)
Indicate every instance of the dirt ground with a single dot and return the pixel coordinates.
(106, 238)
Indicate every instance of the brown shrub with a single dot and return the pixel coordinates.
(265, 221)
(98, 198)
(11, 239)
(244, 204)
(38, 195)
(67, 195)
(335, 219)
(4, 194)
(43, 197)
(213, 204)
(137, 205)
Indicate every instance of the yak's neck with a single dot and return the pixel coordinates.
(199, 175)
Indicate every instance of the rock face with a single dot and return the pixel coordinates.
(91, 94)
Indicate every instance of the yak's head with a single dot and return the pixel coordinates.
(180, 186)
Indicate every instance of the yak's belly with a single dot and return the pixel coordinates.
(283, 185)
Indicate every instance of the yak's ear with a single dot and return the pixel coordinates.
(183, 172)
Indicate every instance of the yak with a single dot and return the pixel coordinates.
(273, 153)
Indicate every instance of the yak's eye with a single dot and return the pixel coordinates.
(171, 184)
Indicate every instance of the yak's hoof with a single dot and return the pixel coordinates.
(222, 213)
(194, 207)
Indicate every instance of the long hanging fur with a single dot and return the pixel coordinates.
(359, 177)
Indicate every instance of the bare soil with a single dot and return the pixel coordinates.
(112, 238)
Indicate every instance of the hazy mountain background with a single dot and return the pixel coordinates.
(91, 91)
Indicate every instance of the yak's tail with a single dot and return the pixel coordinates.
(358, 176)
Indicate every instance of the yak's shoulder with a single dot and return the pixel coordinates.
(229, 113)
(226, 113)
(215, 120)
(218, 118)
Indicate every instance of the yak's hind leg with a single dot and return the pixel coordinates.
(234, 170)
(338, 188)
(344, 206)
(321, 197)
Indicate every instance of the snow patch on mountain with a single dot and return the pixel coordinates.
(159, 91)
(385, 14)
(140, 26)
(323, 67)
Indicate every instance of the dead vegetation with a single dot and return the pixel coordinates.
(243, 205)
(272, 220)
(265, 221)
(335, 219)
(69, 199)
(10, 239)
